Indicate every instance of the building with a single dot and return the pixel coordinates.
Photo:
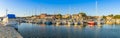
(46, 16)
(117, 21)
(67, 16)
(110, 20)
(49, 17)
(42, 16)
(109, 17)
(77, 16)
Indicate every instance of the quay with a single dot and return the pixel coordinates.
(9, 32)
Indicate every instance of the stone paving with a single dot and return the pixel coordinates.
(9, 32)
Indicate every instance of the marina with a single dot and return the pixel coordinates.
(59, 19)
(65, 31)
(57, 28)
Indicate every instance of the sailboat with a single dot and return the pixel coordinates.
(9, 19)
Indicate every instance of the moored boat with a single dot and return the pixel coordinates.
(91, 22)
(48, 23)
(10, 19)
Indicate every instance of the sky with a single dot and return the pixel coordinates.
(37, 7)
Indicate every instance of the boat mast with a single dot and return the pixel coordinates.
(6, 11)
(69, 10)
(35, 10)
(96, 4)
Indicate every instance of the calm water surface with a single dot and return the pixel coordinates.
(66, 31)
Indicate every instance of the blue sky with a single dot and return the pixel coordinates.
(36, 7)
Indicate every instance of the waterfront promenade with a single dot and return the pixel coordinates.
(8, 32)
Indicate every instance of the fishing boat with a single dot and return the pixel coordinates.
(9, 19)
(91, 23)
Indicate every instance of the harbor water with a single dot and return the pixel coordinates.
(69, 31)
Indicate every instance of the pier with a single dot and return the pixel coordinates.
(9, 32)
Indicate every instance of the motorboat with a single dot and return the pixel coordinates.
(9, 19)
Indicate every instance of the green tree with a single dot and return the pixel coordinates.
(83, 14)
(59, 16)
(111, 15)
(104, 17)
(117, 16)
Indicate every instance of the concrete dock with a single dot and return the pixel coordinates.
(9, 32)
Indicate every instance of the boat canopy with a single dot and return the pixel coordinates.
(11, 16)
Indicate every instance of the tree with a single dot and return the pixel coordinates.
(59, 16)
(83, 14)
(104, 17)
(117, 16)
(111, 15)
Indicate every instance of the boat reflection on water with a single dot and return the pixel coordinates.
(43, 25)
(91, 26)
(68, 31)
(99, 26)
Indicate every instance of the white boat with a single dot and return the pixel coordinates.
(9, 19)
(70, 23)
